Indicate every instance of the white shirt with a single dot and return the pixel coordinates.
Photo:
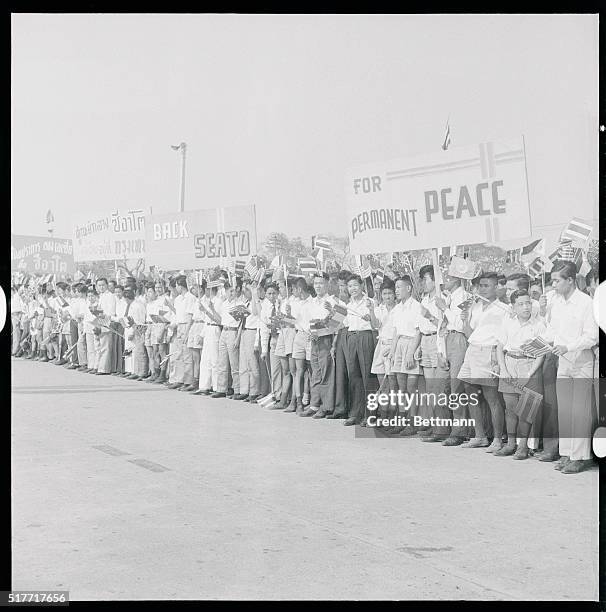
(571, 323)
(386, 319)
(120, 307)
(107, 303)
(137, 312)
(226, 319)
(405, 317)
(356, 310)
(453, 312)
(514, 332)
(16, 303)
(301, 312)
(425, 325)
(252, 320)
(78, 308)
(487, 321)
(265, 319)
(184, 305)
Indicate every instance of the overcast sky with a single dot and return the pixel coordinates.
(275, 108)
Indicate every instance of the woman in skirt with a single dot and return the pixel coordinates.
(518, 370)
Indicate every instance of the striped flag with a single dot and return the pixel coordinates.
(577, 231)
(528, 405)
(390, 273)
(538, 266)
(339, 313)
(380, 275)
(533, 250)
(536, 347)
(237, 267)
(321, 243)
(251, 268)
(308, 265)
(585, 267)
(361, 266)
(568, 252)
(446, 142)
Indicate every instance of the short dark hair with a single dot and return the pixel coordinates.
(121, 287)
(357, 278)
(522, 280)
(102, 279)
(129, 294)
(150, 285)
(387, 285)
(82, 289)
(344, 275)
(323, 275)
(405, 278)
(566, 269)
(301, 283)
(111, 280)
(489, 275)
(428, 269)
(501, 279)
(518, 294)
(181, 280)
(272, 285)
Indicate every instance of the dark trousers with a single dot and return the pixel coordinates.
(341, 379)
(322, 383)
(546, 422)
(360, 352)
(118, 365)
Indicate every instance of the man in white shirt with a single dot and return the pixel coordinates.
(301, 350)
(361, 342)
(339, 353)
(184, 306)
(78, 309)
(248, 363)
(210, 304)
(435, 376)
(107, 304)
(572, 330)
(229, 348)
(482, 325)
(269, 339)
(16, 312)
(195, 339)
(322, 383)
(134, 325)
(454, 347)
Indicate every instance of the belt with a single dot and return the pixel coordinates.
(455, 331)
(517, 355)
(430, 334)
(359, 331)
(225, 328)
(214, 324)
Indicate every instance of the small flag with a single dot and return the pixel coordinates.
(215, 283)
(267, 402)
(538, 266)
(390, 273)
(528, 405)
(585, 266)
(380, 275)
(577, 231)
(276, 262)
(533, 250)
(567, 252)
(361, 267)
(238, 267)
(308, 265)
(464, 268)
(339, 313)
(321, 243)
(536, 347)
(251, 268)
(446, 142)
(49, 216)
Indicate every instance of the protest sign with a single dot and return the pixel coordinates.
(116, 235)
(39, 254)
(477, 193)
(201, 238)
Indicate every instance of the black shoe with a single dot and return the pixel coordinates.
(252, 398)
(349, 422)
(336, 415)
(239, 396)
(217, 394)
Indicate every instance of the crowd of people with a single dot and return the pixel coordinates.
(282, 344)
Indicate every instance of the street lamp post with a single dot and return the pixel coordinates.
(182, 147)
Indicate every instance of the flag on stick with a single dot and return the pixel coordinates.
(464, 268)
(577, 231)
(533, 250)
(251, 268)
(446, 141)
(308, 265)
(277, 262)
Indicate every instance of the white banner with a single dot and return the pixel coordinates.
(116, 235)
(465, 195)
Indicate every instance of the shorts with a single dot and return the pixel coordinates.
(158, 333)
(479, 365)
(196, 335)
(302, 346)
(519, 369)
(398, 365)
(380, 361)
(148, 335)
(429, 351)
(285, 341)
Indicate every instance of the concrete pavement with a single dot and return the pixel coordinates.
(125, 490)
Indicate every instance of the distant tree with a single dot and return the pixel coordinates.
(276, 244)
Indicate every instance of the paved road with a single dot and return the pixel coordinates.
(123, 490)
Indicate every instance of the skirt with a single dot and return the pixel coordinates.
(196, 335)
(286, 339)
(399, 358)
